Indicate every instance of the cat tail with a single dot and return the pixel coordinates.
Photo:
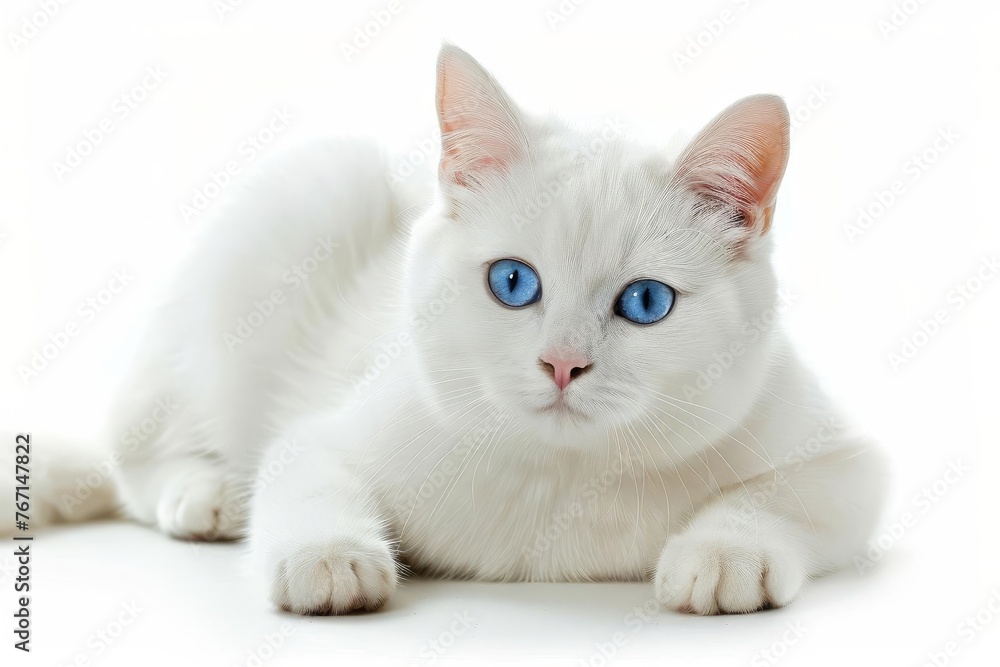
(61, 480)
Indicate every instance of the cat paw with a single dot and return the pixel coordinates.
(724, 574)
(199, 506)
(337, 577)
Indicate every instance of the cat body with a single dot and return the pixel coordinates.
(350, 396)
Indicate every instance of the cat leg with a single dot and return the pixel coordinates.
(754, 545)
(188, 497)
(318, 543)
(165, 473)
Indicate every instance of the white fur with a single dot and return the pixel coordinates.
(388, 412)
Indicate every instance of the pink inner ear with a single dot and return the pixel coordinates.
(740, 157)
(480, 127)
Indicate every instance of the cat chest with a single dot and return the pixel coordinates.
(514, 526)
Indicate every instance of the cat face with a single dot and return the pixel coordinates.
(595, 279)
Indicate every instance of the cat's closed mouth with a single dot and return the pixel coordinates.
(560, 407)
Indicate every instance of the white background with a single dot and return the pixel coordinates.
(868, 96)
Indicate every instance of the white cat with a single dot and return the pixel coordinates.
(523, 385)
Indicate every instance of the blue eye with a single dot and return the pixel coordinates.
(645, 302)
(515, 283)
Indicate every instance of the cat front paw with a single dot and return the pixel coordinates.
(719, 573)
(202, 506)
(335, 577)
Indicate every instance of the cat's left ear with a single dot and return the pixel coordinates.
(739, 159)
(481, 129)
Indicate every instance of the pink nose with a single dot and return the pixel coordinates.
(564, 369)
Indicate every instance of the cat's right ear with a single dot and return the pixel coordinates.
(481, 128)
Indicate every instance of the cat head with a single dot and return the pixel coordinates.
(593, 280)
